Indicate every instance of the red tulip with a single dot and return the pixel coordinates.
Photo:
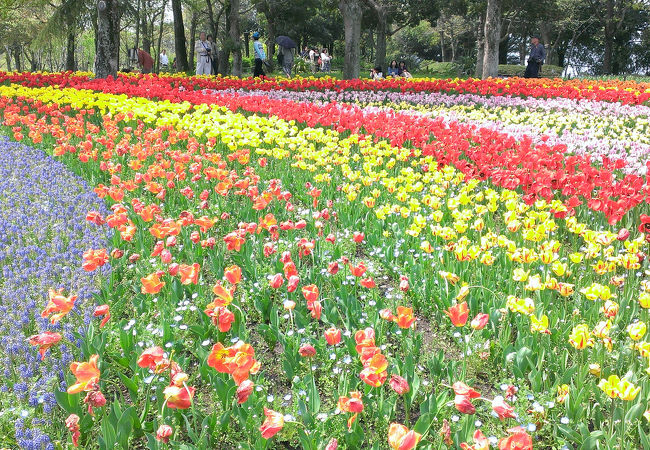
(480, 321)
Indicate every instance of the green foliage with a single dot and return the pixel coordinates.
(515, 70)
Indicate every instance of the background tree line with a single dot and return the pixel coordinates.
(589, 36)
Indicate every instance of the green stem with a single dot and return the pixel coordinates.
(407, 412)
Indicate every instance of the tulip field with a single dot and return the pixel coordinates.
(199, 262)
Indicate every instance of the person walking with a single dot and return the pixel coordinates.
(145, 61)
(287, 60)
(535, 59)
(164, 61)
(203, 48)
(260, 55)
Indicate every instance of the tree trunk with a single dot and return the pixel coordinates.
(8, 57)
(137, 26)
(146, 41)
(108, 38)
(352, 14)
(179, 37)
(235, 39)
(193, 24)
(492, 39)
(69, 51)
(382, 28)
(480, 40)
(270, 34)
(160, 34)
(609, 37)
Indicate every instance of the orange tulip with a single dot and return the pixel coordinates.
(480, 442)
(359, 269)
(233, 274)
(151, 357)
(458, 314)
(93, 259)
(44, 341)
(368, 283)
(87, 374)
(333, 336)
(310, 292)
(461, 388)
(151, 284)
(224, 296)
(401, 438)
(518, 440)
(374, 373)
(189, 274)
(102, 310)
(59, 304)
(272, 424)
(405, 317)
(179, 397)
(364, 338)
(352, 404)
(237, 360)
(221, 316)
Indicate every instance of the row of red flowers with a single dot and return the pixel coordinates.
(626, 92)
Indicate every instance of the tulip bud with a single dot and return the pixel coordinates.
(307, 351)
(399, 384)
(173, 269)
(623, 234)
(333, 336)
(164, 433)
(134, 257)
(292, 285)
(171, 241)
(166, 256)
(94, 399)
(116, 253)
(358, 237)
(480, 321)
(333, 268)
(244, 391)
(332, 445)
(276, 281)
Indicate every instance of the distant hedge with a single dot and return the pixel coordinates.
(548, 71)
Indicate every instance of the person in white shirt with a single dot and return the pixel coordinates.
(203, 48)
(325, 58)
(376, 73)
(164, 61)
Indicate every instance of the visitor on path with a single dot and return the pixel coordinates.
(213, 55)
(326, 61)
(203, 48)
(313, 60)
(260, 55)
(287, 60)
(393, 69)
(145, 61)
(535, 59)
(164, 61)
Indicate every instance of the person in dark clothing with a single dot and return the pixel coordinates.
(260, 55)
(535, 59)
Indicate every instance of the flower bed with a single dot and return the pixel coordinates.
(292, 276)
(43, 235)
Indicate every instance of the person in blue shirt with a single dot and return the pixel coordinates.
(260, 55)
(393, 69)
(536, 58)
